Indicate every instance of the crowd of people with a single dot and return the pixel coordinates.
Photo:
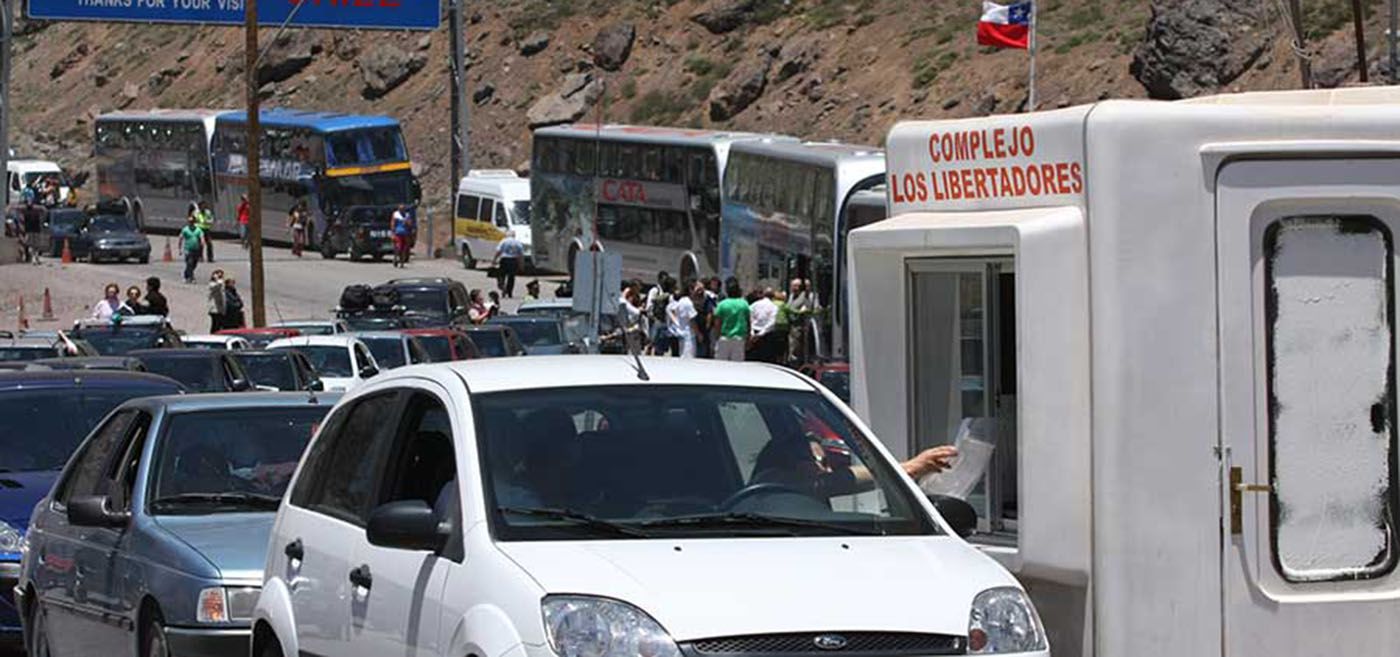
(137, 302)
(710, 319)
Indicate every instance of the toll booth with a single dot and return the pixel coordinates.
(1176, 324)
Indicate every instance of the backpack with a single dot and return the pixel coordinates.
(658, 307)
(356, 297)
(385, 297)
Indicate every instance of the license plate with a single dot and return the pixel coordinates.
(379, 233)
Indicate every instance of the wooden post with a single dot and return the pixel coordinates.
(1357, 17)
(254, 165)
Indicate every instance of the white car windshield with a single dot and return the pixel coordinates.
(703, 461)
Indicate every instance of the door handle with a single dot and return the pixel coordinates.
(360, 577)
(1237, 490)
(295, 550)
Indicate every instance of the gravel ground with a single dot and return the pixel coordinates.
(297, 288)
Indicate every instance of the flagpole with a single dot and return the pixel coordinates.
(1030, 96)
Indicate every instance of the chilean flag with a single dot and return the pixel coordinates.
(1005, 26)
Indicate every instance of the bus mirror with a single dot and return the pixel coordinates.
(417, 190)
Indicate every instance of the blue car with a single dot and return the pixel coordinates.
(43, 417)
(154, 538)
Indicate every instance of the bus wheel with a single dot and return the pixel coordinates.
(468, 262)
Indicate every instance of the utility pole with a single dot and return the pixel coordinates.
(1394, 27)
(461, 127)
(1357, 17)
(7, 51)
(254, 166)
(1299, 44)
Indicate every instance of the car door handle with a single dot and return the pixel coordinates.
(360, 577)
(295, 550)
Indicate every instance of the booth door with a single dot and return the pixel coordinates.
(1306, 263)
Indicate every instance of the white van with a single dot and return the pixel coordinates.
(1175, 326)
(29, 172)
(489, 203)
(567, 506)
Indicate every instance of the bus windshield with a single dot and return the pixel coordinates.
(520, 213)
(380, 189)
(365, 146)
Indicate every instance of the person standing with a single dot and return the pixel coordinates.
(32, 223)
(763, 318)
(403, 231)
(477, 312)
(800, 306)
(191, 244)
(217, 301)
(658, 306)
(781, 327)
(731, 322)
(233, 305)
(155, 301)
(296, 220)
(510, 254)
(245, 213)
(705, 302)
(532, 290)
(133, 300)
(680, 314)
(206, 224)
(110, 305)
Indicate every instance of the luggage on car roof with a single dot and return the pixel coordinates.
(385, 297)
(356, 297)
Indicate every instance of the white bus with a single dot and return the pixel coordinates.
(158, 160)
(1174, 326)
(784, 217)
(656, 191)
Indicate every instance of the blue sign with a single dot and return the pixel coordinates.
(349, 14)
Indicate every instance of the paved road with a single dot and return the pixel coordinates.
(297, 288)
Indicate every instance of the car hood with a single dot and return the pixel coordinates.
(547, 349)
(705, 588)
(339, 383)
(117, 235)
(236, 543)
(20, 492)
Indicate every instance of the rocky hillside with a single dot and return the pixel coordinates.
(831, 69)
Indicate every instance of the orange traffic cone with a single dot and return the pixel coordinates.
(67, 253)
(48, 308)
(168, 257)
(23, 317)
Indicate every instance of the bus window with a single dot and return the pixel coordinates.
(543, 148)
(488, 207)
(651, 163)
(583, 158)
(609, 165)
(386, 144)
(631, 168)
(500, 217)
(565, 155)
(466, 206)
(674, 166)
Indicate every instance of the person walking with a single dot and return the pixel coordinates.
(32, 226)
(217, 301)
(680, 314)
(403, 231)
(510, 256)
(658, 306)
(245, 214)
(296, 220)
(731, 322)
(191, 245)
(111, 304)
(233, 305)
(206, 224)
(155, 301)
(763, 318)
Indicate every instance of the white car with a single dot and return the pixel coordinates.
(343, 362)
(609, 507)
(216, 342)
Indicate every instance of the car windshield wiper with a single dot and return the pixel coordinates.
(576, 518)
(255, 500)
(720, 520)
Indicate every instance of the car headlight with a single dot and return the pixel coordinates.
(581, 626)
(222, 605)
(11, 539)
(1004, 621)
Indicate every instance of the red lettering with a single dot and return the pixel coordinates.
(1018, 181)
(922, 186)
(609, 190)
(965, 177)
(960, 145)
(1062, 178)
(1006, 189)
(933, 147)
(945, 146)
(939, 191)
(1033, 180)
(1075, 173)
(894, 189)
(1027, 139)
(999, 138)
(1047, 173)
(975, 141)
(980, 178)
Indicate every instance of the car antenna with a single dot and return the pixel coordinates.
(278, 309)
(632, 347)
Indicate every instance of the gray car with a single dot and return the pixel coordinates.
(152, 541)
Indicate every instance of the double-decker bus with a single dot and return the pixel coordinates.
(656, 192)
(347, 168)
(158, 161)
(786, 215)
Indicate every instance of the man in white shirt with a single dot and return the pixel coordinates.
(763, 316)
(681, 322)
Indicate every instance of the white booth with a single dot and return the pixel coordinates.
(1174, 323)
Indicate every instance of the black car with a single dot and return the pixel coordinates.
(541, 336)
(64, 224)
(30, 349)
(119, 338)
(90, 363)
(434, 302)
(112, 237)
(284, 369)
(200, 370)
(495, 340)
(381, 322)
(359, 231)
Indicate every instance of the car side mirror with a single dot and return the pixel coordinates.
(241, 385)
(316, 386)
(95, 511)
(958, 513)
(368, 371)
(406, 525)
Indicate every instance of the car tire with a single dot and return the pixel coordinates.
(38, 633)
(145, 260)
(327, 252)
(355, 253)
(154, 642)
(270, 647)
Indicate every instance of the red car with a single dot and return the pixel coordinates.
(835, 376)
(445, 345)
(259, 338)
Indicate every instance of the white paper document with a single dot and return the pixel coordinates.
(970, 466)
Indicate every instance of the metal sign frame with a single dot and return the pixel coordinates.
(336, 14)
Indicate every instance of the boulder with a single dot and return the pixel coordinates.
(535, 43)
(722, 16)
(795, 57)
(130, 92)
(1195, 47)
(386, 67)
(743, 86)
(483, 93)
(613, 45)
(68, 61)
(558, 107)
(286, 57)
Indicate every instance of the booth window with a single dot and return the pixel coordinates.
(962, 355)
(1329, 318)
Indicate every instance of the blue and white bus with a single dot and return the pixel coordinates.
(786, 215)
(341, 165)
